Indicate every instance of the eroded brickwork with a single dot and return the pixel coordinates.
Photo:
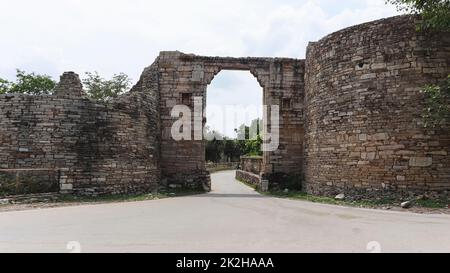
(248, 177)
(26, 181)
(250, 170)
(95, 148)
(251, 164)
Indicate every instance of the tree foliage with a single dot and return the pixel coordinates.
(101, 89)
(437, 108)
(249, 132)
(220, 148)
(435, 13)
(28, 83)
(4, 86)
(95, 86)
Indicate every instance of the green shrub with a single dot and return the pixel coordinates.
(437, 109)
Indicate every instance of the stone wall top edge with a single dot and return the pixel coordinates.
(221, 59)
(48, 99)
(13, 95)
(393, 21)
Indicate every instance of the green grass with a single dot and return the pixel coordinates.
(428, 203)
(328, 200)
(298, 195)
(359, 203)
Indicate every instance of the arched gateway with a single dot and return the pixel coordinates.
(184, 77)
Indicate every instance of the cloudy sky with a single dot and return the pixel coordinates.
(112, 36)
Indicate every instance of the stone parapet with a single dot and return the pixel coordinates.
(249, 178)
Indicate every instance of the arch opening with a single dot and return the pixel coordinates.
(234, 112)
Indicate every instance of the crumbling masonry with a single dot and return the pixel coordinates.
(350, 121)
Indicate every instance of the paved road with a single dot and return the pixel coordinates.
(232, 218)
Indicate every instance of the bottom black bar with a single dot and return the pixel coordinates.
(222, 262)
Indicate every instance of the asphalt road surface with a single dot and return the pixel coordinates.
(232, 218)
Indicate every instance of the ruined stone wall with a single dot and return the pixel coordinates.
(96, 148)
(364, 131)
(252, 164)
(26, 181)
(250, 170)
(248, 177)
(183, 77)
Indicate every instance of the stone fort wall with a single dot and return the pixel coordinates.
(93, 148)
(350, 120)
(364, 130)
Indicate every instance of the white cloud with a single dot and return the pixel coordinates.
(112, 36)
(229, 89)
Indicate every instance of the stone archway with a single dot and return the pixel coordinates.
(233, 98)
(183, 76)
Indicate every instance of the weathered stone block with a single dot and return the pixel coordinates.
(420, 161)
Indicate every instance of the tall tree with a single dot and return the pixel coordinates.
(245, 132)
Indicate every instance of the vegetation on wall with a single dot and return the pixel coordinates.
(435, 17)
(437, 108)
